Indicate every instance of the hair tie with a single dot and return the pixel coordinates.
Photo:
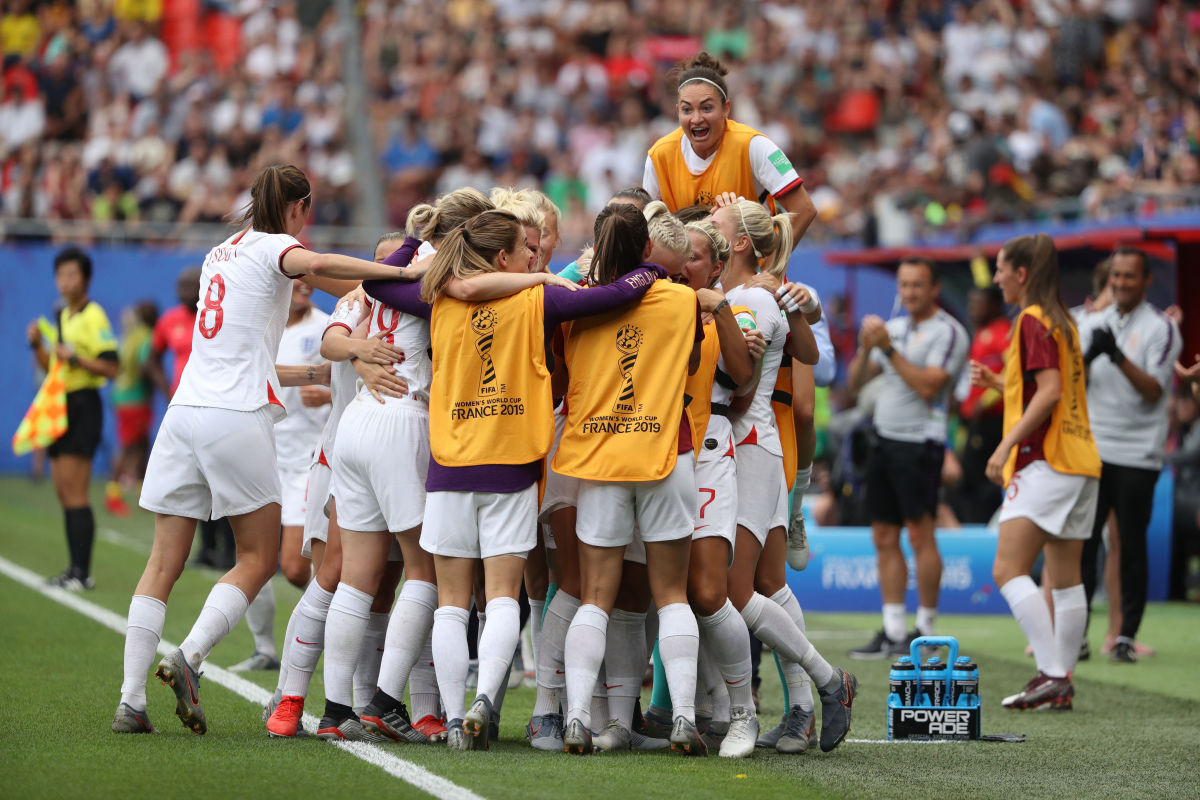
(467, 238)
(706, 80)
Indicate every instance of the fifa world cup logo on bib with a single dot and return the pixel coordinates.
(629, 340)
(483, 322)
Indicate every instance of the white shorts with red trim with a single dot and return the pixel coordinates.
(480, 524)
(316, 504)
(208, 463)
(1062, 505)
(762, 490)
(717, 487)
(381, 457)
(664, 510)
(562, 491)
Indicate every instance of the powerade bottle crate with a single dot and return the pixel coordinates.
(935, 700)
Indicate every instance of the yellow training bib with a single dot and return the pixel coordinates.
(489, 402)
(729, 171)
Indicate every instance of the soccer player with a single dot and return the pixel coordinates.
(1130, 349)
(132, 393)
(624, 402)
(215, 451)
(87, 345)
(490, 427)
(919, 356)
(298, 435)
(757, 584)
(1048, 464)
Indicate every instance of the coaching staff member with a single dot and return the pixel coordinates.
(1130, 348)
(919, 356)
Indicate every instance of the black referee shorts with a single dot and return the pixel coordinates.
(85, 422)
(903, 480)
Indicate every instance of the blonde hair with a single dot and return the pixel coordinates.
(470, 249)
(666, 229)
(770, 237)
(418, 219)
(521, 204)
(545, 205)
(452, 210)
(718, 245)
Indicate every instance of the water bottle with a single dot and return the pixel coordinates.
(964, 683)
(902, 682)
(933, 681)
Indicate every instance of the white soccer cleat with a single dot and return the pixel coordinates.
(742, 735)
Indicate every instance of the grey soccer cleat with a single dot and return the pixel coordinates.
(456, 737)
(658, 722)
(798, 728)
(130, 720)
(545, 732)
(642, 742)
(269, 708)
(797, 543)
(713, 733)
(771, 737)
(174, 671)
(615, 736)
(477, 723)
(686, 739)
(258, 661)
(835, 710)
(349, 729)
(577, 739)
(742, 735)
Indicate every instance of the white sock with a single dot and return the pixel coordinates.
(770, 623)
(482, 618)
(306, 639)
(551, 667)
(788, 602)
(600, 696)
(497, 645)
(926, 619)
(727, 640)
(407, 635)
(450, 658)
(1070, 624)
(803, 479)
(706, 674)
(1025, 600)
(584, 654)
(651, 631)
(624, 663)
(678, 645)
(422, 682)
(260, 618)
(224, 608)
(366, 673)
(718, 696)
(345, 626)
(894, 621)
(536, 607)
(142, 634)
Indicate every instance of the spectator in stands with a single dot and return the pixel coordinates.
(1130, 349)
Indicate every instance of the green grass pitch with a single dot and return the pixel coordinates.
(1135, 731)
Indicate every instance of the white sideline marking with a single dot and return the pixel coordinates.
(902, 741)
(406, 771)
(123, 540)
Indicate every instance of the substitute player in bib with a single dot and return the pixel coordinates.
(1049, 465)
(490, 426)
(215, 451)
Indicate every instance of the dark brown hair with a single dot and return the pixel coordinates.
(1039, 257)
(705, 67)
(621, 234)
(275, 188)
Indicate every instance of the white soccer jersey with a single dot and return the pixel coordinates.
(299, 435)
(342, 378)
(719, 429)
(244, 299)
(410, 334)
(757, 424)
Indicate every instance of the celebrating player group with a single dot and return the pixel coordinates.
(626, 433)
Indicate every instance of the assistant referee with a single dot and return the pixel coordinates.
(88, 348)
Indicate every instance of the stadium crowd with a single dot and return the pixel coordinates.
(909, 118)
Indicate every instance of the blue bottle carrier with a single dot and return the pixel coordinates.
(937, 699)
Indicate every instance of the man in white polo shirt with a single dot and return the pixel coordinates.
(1130, 348)
(920, 356)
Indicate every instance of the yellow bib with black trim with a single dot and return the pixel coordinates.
(89, 334)
(1069, 446)
(625, 398)
(729, 171)
(489, 402)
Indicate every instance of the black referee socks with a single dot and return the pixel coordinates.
(81, 535)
